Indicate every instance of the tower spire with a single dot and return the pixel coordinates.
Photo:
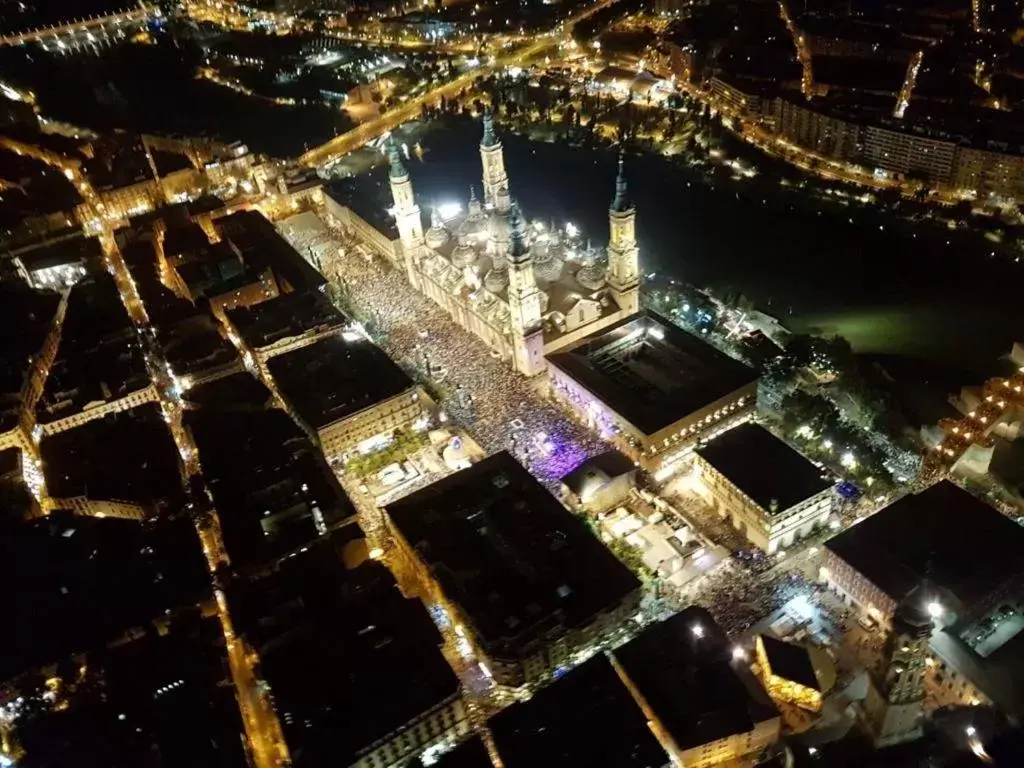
(492, 158)
(397, 169)
(518, 249)
(621, 202)
(623, 255)
(489, 139)
(524, 299)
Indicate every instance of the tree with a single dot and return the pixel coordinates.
(569, 118)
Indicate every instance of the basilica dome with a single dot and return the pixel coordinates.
(592, 276)
(556, 247)
(463, 254)
(437, 235)
(545, 264)
(496, 279)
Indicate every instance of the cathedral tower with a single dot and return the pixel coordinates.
(407, 213)
(524, 300)
(895, 701)
(492, 156)
(623, 254)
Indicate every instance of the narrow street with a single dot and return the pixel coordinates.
(263, 731)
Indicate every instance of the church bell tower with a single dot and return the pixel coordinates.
(623, 254)
(407, 212)
(524, 300)
(492, 156)
(895, 701)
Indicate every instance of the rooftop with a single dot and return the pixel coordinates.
(884, 38)
(509, 554)
(163, 307)
(84, 376)
(38, 190)
(163, 699)
(286, 316)
(272, 489)
(370, 205)
(349, 659)
(791, 662)
(26, 317)
(83, 581)
(598, 470)
(73, 250)
(586, 718)
(138, 462)
(999, 675)
(763, 467)
(335, 378)
(99, 359)
(261, 245)
(241, 391)
(683, 668)
(119, 160)
(10, 463)
(196, 346)
(877, 76)
(942, 534)
(651, 372)
(184, 240)
(215, 270)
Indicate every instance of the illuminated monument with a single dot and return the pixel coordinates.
(525, 289)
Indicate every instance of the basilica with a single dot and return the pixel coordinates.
(526, 289)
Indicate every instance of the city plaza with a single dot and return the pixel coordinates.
(503, 409)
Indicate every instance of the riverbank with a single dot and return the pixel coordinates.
(890, 287)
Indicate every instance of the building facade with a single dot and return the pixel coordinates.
(379, 243)
(989, 169)
(779, 684)
(384, 417)
(767, 529)
(730, 748)
(448, 721)
(24, 434)
(854, 587)
(83, 505)
(147, 394)
(535, 661)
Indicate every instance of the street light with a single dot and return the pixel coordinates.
(935, 609)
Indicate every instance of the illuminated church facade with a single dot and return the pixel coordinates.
(525, 289)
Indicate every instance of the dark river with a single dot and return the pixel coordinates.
(890, 287)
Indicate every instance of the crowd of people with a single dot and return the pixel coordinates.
(500, 408)
(739, 596)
